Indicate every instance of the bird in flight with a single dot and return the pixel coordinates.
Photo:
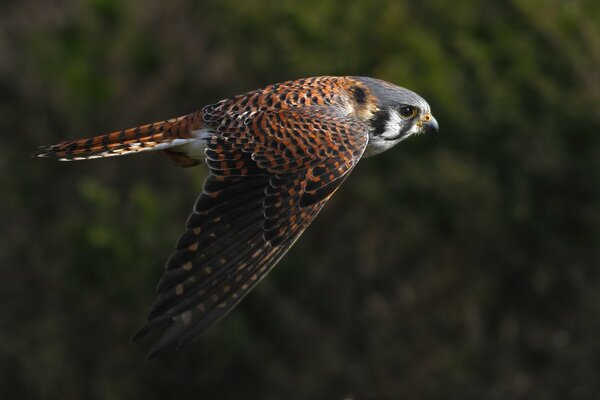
(275, 156)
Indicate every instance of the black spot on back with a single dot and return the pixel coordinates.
(360, 96)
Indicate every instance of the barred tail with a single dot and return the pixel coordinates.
(157, 136)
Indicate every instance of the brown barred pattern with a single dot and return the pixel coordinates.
(275, 156)
(272, 168)
(325, 146)
(134, 140)
(247, 217)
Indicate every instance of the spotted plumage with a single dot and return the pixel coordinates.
(275, 156)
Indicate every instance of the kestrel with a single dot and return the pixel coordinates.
(275, 156)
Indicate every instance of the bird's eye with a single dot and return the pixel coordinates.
(408, 111)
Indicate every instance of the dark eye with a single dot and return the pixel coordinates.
(408, 111)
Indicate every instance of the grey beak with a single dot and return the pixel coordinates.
(431, 126)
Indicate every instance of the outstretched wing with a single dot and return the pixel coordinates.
(269, 177)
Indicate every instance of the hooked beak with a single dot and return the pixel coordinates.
(429, 124)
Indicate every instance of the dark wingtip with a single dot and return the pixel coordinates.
(158, 347)
(142, 331)
(153, 353)
(137, 335)
(168, 341)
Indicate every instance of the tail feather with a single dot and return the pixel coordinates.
(156, 136)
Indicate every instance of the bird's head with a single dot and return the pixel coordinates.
(395, 114)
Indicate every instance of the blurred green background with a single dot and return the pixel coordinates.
(459, 266)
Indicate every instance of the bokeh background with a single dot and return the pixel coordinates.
(461, 266)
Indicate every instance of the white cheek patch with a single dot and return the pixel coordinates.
(392, 125)
(414, 129)
(390, 136)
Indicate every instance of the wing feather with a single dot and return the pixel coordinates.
(269, 177)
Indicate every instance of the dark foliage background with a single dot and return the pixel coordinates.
(459, 266)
